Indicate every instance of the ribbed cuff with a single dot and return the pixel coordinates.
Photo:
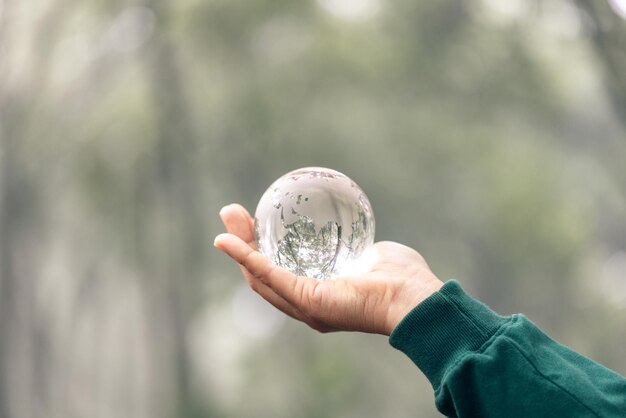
(443, 328)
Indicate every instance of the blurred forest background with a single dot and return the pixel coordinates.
(489, 135)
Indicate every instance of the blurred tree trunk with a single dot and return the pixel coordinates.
(23, 338)
(6, 232)
(176, 189)
(609, 36)
(7, 152)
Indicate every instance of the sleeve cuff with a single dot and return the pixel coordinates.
(443, 328)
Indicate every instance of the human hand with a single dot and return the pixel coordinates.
(396, 280)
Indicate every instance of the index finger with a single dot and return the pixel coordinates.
(296, 290)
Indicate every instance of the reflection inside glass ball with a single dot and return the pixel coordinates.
(314, 222)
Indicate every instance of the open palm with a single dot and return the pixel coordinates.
(395, 280)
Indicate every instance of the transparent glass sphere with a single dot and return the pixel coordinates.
(314, 222)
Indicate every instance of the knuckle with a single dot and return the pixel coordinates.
(316, 296)
(254, 263)
(309, 297)
(246, 261)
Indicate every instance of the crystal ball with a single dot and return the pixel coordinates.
(314, 222)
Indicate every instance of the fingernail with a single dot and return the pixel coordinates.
(226, 208)
(217, 238)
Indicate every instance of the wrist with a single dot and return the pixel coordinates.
(442, 329)
(409, 298)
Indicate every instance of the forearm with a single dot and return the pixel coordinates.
(482, 364)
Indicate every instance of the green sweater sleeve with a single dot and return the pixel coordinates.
(485, 365)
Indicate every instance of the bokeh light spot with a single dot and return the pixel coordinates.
(131, 29)
(619, 7)
(253, 316)
(352, 10)
(614, 279)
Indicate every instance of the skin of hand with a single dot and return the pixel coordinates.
(396, 280)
